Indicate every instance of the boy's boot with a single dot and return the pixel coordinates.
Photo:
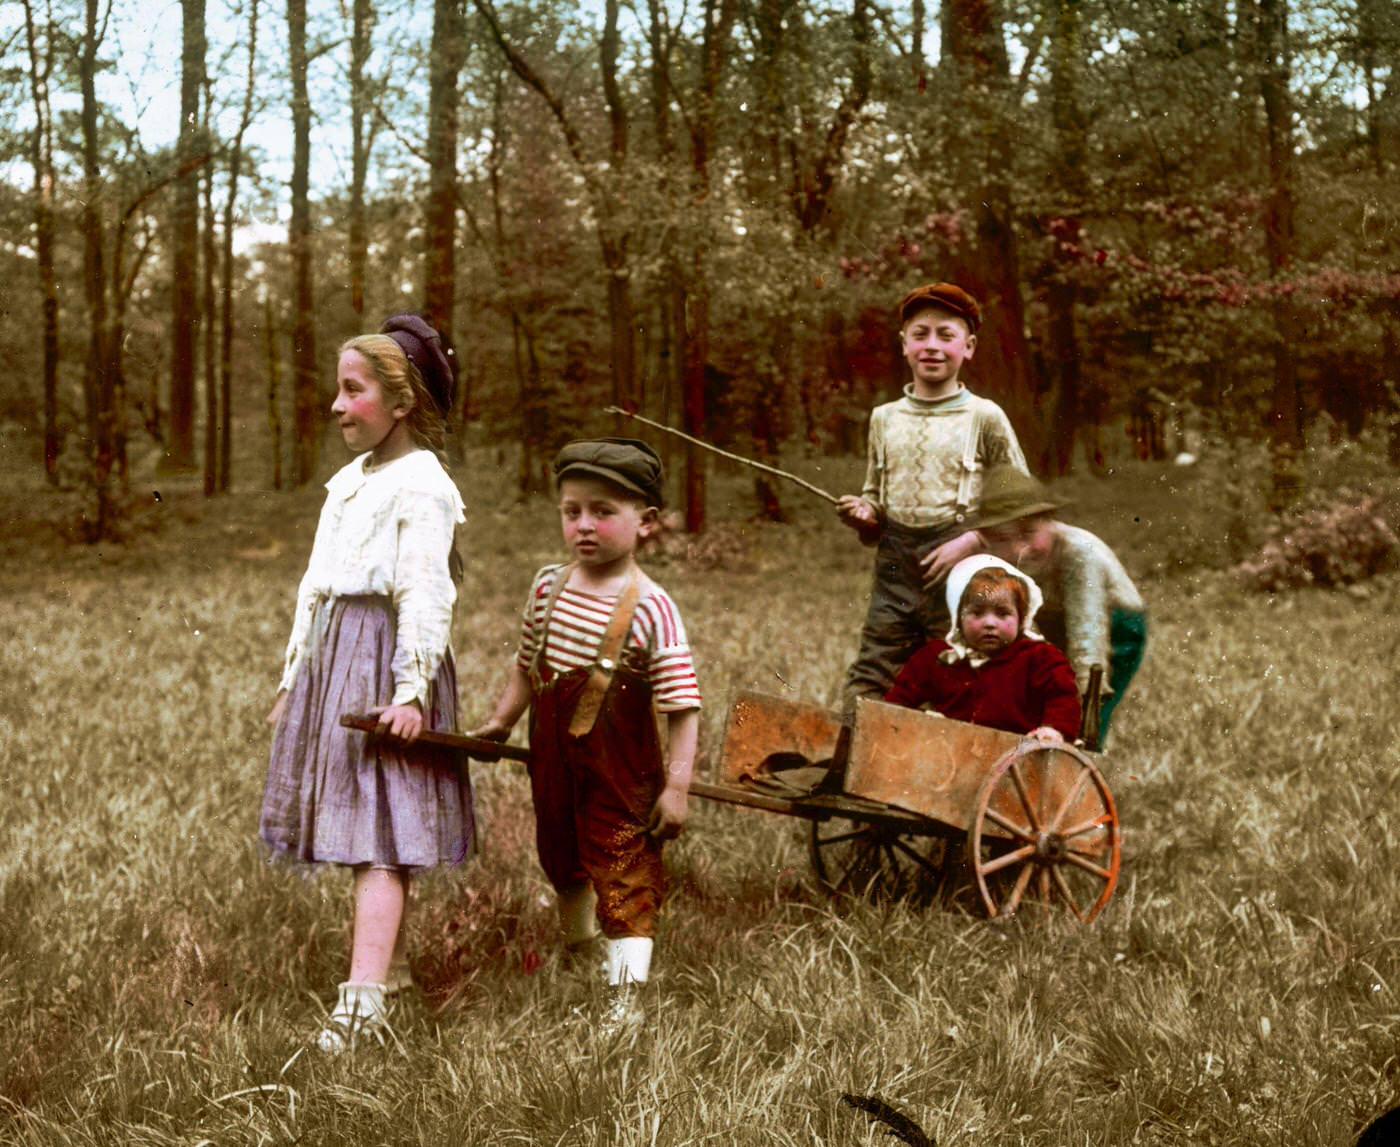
(578, 919)
(361, 1010)
(629, 964)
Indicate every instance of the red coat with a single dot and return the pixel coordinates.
(1027, 685)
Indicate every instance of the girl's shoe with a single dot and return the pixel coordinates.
(361, 1010)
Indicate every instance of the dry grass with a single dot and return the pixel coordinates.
(158, 977)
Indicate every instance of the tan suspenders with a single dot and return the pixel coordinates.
(600, 676)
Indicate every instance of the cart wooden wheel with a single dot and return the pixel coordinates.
(878, 861)
(1045, 828)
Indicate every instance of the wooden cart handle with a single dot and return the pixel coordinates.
(475, 747)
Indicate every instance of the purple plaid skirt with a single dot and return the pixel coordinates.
(330, 795)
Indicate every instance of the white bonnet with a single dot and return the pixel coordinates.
(961, 574)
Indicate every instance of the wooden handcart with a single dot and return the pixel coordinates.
(911, 804)
(915, 804)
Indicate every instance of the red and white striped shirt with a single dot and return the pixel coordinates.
(576, 631)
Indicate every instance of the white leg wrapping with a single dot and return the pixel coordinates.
(578, 914)
(629, 960)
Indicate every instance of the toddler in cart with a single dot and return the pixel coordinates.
(993, 668)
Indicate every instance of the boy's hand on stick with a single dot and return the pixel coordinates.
(403, 722)
(1046, 735)
(669, 813)
(861, 516)
(855, 511)
(939, 560)
(491, 731)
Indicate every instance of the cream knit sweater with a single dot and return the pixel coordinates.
(926, 456)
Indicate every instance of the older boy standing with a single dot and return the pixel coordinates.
(926, 452)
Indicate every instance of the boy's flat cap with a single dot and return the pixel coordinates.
(946, 296)
(626, 462)
(1007, 495)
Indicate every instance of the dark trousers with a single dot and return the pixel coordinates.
(593, 796)
(903, 615)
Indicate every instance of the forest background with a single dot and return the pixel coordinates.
(1180, 217)
(1182, 220)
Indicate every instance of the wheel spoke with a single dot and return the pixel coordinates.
(1010, 826)
(1044, 886)
(1075, 789)
(1006, 861)
(1088, 826)
(917, 857)
(1065, 893)
(1018, 890)
(892, 870)
(1020, 784)
(1088, 866)
(823, 841)
(857, 866)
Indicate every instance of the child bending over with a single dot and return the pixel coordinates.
(993, 669)
(601, 643)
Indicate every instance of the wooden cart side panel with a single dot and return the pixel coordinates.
(922, 762)
(760, 725)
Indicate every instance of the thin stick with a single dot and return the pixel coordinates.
(739, 458)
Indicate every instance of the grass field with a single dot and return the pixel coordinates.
(158, 977)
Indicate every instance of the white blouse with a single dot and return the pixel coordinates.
(387, 531)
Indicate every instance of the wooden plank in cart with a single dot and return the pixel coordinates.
(920, 761)
(760, 725)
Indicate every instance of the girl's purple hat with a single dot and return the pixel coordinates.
(426, 349)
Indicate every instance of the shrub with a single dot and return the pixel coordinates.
(1343, 542)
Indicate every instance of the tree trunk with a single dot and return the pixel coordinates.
(361, 142)
(307, 422)
(718, 23)
(97, 388)
(1062, 349)
(41, 155)
(235, 170)
(440, 212)
(979, 78)
(211, 379)
(671, 348)
(1285, 410)
(185, 241)
(274, 387)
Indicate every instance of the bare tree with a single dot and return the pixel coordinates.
(208, 258)
(978, 73)
(1062, 341)
(307, 422)
(40, 42)
(361, 142)
(1273, 61)
(235, 171)
(185, 240)
(605, 184)
(440, 212)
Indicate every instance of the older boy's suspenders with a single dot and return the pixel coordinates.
(970, 464)
(590, 701)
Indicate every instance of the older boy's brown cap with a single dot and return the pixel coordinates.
(625, 462)
(945, 296)
(1008, 495)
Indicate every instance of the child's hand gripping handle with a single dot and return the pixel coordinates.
(479, 748)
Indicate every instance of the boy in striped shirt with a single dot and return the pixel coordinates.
(601, 645)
